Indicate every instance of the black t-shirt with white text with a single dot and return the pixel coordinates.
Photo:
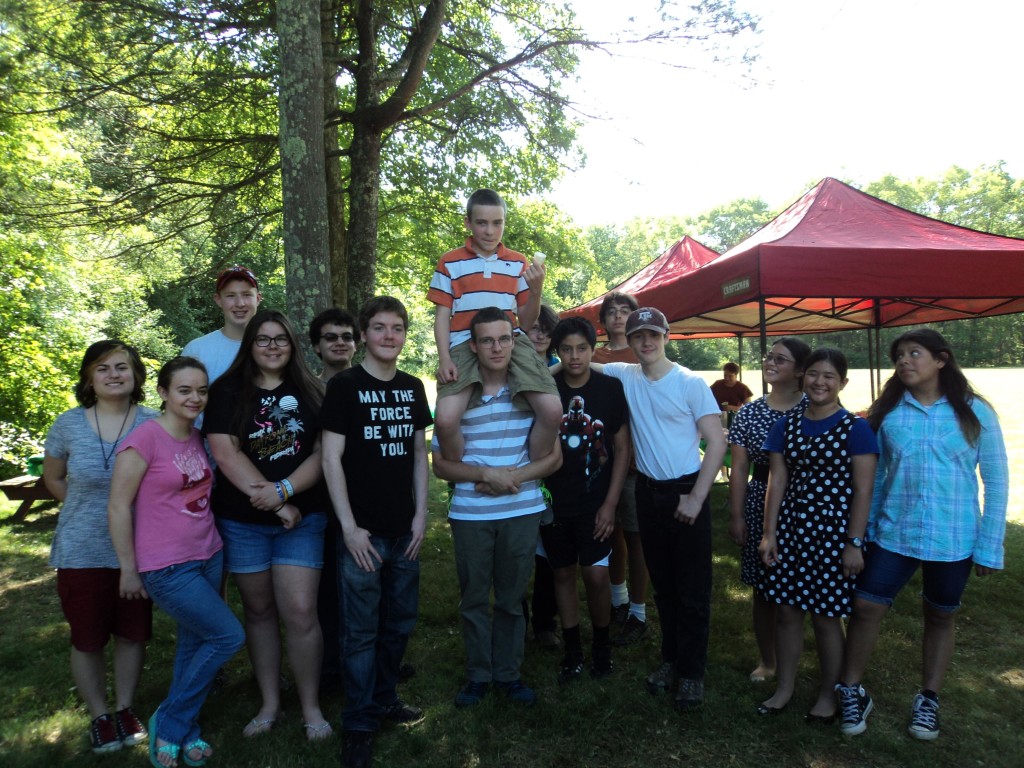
(379, 420)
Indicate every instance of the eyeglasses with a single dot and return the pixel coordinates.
(489, 341)
(778, 359)
(332, 337)
(278, 341)
(538, 331)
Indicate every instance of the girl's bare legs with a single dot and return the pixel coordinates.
(828, 636)
(763, 612)
(295, 590)
(789, 644)
(263, 640)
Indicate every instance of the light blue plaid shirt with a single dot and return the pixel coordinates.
(925, 503)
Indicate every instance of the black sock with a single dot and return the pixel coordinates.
(573, 645)
(928, 693)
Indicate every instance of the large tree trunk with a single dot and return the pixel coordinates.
(364, 195)
(336, 220)
(303, 181)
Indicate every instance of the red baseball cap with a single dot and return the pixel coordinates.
(236, 272)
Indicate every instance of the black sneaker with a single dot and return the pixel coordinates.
(601, 664)
(400, 712)
(570, 669)
(471, 694)
(619, 615)
(854, 707)
(689, 694)
(103, 735)
(518, 691)
(130, 730)
(632, 631)
(357, 752)
(924, 718)
(662, 678)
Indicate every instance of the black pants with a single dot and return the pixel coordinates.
(678, 559)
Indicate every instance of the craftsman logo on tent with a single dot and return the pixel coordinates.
(736, 286)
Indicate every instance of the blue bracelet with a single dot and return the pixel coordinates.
(288, 487)
(280, 492)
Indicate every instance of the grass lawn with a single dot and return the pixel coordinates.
(611, 723)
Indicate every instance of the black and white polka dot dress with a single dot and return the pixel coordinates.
(749, 430)
(812, 521)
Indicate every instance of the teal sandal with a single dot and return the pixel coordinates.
(199, 744)
(171, 750)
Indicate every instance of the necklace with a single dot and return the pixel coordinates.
(108, 456)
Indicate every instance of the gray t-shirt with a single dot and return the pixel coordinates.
(82, 538)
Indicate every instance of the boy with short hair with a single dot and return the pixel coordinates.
(594, 438)
(670, 410)
(237, 294)
(629, 605)
(334, 336)
(374, 419)
(729, 391)
(485, 273)
(494, 516)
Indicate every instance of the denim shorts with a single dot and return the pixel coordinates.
(885, 574)
(253, 548)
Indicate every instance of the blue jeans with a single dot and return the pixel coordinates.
(208, 635)
(378, 613)
(679, 561)
(886, 573)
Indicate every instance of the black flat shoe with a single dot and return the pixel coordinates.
(764, 710)
(812, 719)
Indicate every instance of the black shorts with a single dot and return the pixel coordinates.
(570, 540)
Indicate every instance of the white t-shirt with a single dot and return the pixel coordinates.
(663, 417)
(214, 350)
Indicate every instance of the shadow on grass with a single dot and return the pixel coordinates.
(613, 722)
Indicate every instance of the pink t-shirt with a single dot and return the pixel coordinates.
(173, 523)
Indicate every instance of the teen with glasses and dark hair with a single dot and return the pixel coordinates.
(263, 427)
(783, 370)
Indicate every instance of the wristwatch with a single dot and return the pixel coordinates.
(855, 541)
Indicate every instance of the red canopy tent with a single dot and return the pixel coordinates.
(840, 259)
(654, 285)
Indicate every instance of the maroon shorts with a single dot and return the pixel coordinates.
(95, 610)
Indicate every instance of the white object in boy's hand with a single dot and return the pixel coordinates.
(538, 258)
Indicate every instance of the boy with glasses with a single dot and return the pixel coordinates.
(495, 516)
(334, 337)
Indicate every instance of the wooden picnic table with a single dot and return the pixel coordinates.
(27, 489)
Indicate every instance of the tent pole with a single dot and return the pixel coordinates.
(764, 338)
(871, 362)
(739, 352)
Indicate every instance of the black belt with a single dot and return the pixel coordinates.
(667, 485)
(760, 472)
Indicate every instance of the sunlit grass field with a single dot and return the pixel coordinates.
(614, 722)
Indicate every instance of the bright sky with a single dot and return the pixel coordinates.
(848, 88)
